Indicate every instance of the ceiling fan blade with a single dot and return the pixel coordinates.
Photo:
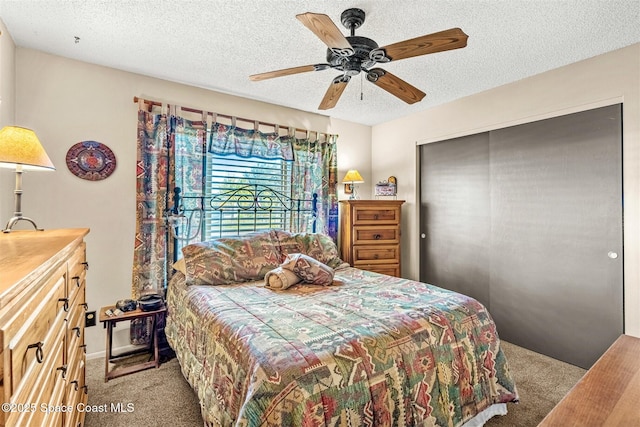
(288, 72)
(395, 86)
(334, 92)
(323, 27)
(453, 38)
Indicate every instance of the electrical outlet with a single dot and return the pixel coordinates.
(90, 319)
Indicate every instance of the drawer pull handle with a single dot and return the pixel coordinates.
(375, 216)
(62, 368)
(86, 389)
(77, 279)
(39, 352)
(75, 384)
(377, 236)
(66, 303)
(84, 348)
(86, 265)
(85, 305)
(376, 256)
(77, 329)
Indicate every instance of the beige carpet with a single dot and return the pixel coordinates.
(161, 397)
(541, 381)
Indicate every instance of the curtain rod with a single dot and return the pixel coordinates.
(232, 118)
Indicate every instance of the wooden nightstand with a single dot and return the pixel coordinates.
(370, 235)
(110, 322)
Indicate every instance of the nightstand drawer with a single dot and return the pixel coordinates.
(388, 269)
(375, 254)
(363, 215)
(376, 235)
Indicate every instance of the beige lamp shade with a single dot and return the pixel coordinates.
(20, 147)
(352, 177)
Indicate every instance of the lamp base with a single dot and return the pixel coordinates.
(354, 193)
(16, 219)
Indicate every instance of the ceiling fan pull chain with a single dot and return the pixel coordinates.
(361, 80)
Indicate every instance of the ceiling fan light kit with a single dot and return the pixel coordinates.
(353, 54)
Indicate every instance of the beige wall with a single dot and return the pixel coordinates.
(7, 111)
(603, 80)
(67, 101)
(7, 77)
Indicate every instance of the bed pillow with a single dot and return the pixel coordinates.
(308, 269)
(230, 260)
(317, 246)
(180, 266)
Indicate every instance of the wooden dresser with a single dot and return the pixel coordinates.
(370, 234)
(609, 393)
(42, 306)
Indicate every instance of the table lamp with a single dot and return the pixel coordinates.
(21, 149)
(352, 177)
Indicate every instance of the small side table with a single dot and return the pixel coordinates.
(110, 322)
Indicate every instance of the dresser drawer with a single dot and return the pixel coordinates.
(43, 388)
(75, 393)
(77, 271)
(50, 404)
(363, 215)
(32, 341)
(75, 331)
(376, 235)
(375, 254)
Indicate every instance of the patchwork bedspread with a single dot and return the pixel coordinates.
(372, 350)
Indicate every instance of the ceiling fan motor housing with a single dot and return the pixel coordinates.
(362, 47)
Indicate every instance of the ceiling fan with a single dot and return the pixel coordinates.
(355, 54)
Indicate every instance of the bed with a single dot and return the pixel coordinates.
(366, 350)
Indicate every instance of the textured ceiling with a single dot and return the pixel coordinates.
(218, 44)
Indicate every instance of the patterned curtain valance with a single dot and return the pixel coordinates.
(226, 140)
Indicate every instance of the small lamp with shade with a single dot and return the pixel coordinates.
(21, 149)
(350, 179)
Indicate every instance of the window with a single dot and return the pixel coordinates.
(232, 181)
(229, 205)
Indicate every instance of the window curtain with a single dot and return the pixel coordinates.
(152, 167)
(169, 154)
(314, 168)
(188, 172)
(315, 171)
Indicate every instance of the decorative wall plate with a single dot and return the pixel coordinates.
(91, 160)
